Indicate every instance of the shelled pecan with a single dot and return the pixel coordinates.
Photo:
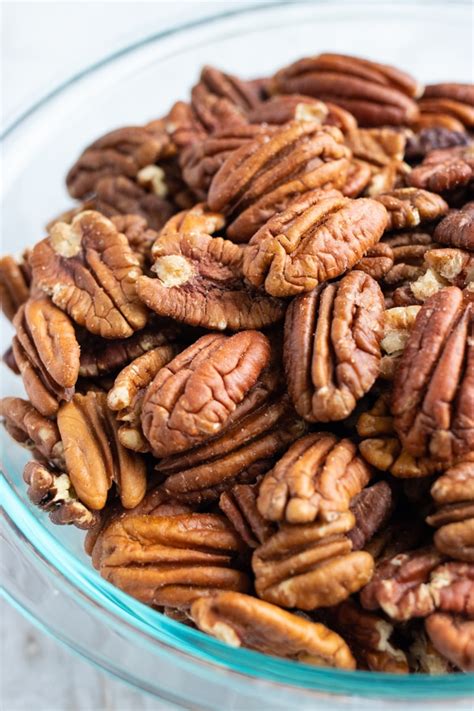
(457, 228)
(445, 169)
(434, 138)
(239, 504)
(32, 430)
(453, 637)
(14, 285)
(410, 207)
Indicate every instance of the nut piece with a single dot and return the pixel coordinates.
(28, 427)
(398, 323)
(445, 169)
(263, 176)
(332, 346)
(310, 565)
(377, 94)
(94, 456)
(433, 138)
(191, 399)
(318, 237)
(434, 384)
(409, 249)
(136, 230)
(377, 262)
(199, 278)
(424, 657)
(52, 491)
(453, 637)
(90, 272)
(315, 480)
(239, 505)
(47, 353)
(170, 560)
(14, 285)
(243, 621)
(372, 509)
(410, 207)
(457, 228)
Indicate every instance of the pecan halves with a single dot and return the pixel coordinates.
(53, 492)
(453, 637)
(319, 236)
(170, 560)
(332, 346)
(243, 621)
(310, 565)
(410, 207)
(90, 271)
(377, 94)
(449, 100)
(445, 169)
(94, 456)
(453, 493)
(239, 504)
(47, 354)
(14, 285)
(315, 480)
(199, 278)
(457, 228)
(262, 177)
(433, 389)
(32, 430)
(191, 399)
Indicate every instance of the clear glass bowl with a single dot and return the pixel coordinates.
(70, 600)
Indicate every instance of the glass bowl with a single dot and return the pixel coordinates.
(69, 599)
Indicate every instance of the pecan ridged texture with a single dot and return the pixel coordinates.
(372, 509)
(377, 94)
(14, 285)
(453, 637)
(332, 346)
(314, 480)
(433, 391)
(90, 271)
(457, 228)
(445, 169)
(32, 430)
(448, 104)
(192, 398)
(311, 565)
(199, 278)
(410, 207)
(318, 237)
(94, 456)
(241, 620)
(170, 560)
(262, 177)
(239, 505)
(47, 354)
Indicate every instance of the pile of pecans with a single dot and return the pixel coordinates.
(249, 360)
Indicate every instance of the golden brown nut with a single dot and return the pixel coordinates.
(170, 560)
(46, 352)
(311, 565)
(53, 492)
(444, 169)
(14, 285)
(449, 100)
(332, 346)
(240, 620)
(377, 94)
(319, 236)
(315, 480)
(94, 456)
(239, 504)
(192, 398)
(398, 323)
(423, 655)
(433, 389)
(453, 637)
(90, 271)
(410, 207)
(263, 176)
(409, 249)
(32, 430)
(457, 228)
(199, 278)
(377, 262)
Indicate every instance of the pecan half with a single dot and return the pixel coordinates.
(90, 272)
(53, 492)
(452, 100)
(310, 565)
(243, 621)
(376, 94)
(445, 169)
(433, 387)
(332, 346)
(137, 231)
(457, 228)
(279, 110)
(94, 456)
(170, 560)
(14, 285)
(199, 278)
(318, 237)
(239, 504)
(31, 429)
(434, 138)
(408, 250)
(410, 207)
(377, 262)
(315, 480)
(47, 354)
(191, 399)
(372, 508)
(262, 177)
(453, 637)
